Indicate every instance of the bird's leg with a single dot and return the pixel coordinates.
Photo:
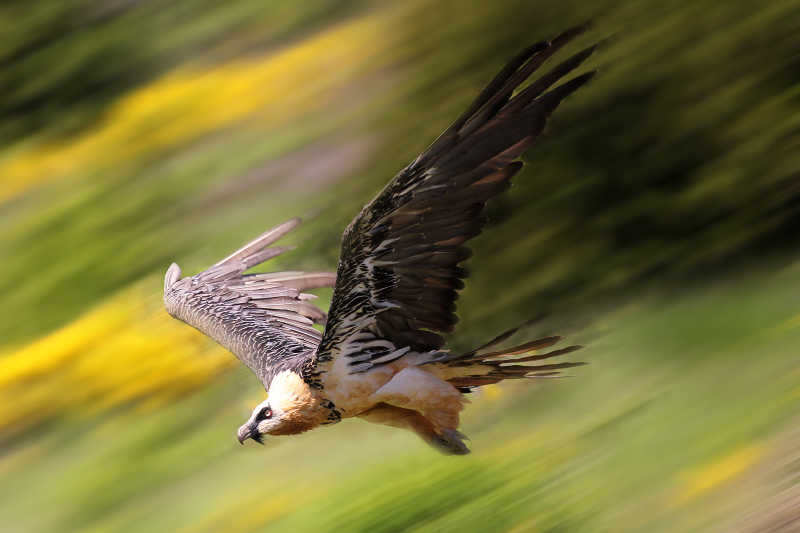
(435, 401)
(450, 442)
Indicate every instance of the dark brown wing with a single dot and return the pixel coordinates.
(399, 271)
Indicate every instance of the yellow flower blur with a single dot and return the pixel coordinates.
(192, 101)
(125, 351)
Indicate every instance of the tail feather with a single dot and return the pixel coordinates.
(538, 344)
(502, 337)
(488, 368)
(554, 353)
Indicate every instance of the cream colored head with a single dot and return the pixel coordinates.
(292, 407)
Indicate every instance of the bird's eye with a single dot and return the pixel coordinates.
(264, 413)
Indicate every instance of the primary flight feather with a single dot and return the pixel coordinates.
(381, 356)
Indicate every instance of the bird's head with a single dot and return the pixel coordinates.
(260, 423)
(292, 407)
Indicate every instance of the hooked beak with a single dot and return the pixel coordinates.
(249, 431)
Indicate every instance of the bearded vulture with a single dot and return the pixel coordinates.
(381, 355)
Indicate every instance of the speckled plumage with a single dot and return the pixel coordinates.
(264, 319)
(381, 355)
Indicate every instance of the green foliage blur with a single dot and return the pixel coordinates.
(656, 222)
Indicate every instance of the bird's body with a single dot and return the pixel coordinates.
(381, 356)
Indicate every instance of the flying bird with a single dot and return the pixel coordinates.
(381, 356)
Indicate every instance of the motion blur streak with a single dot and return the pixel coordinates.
(121, 352)
(657, 219)
(189, 102)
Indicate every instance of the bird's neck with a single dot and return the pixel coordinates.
(301, 406)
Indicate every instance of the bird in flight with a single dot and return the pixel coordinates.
(381, 356)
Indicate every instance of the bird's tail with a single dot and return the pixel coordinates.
(486, 365)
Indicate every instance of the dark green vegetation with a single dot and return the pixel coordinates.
(656, 222)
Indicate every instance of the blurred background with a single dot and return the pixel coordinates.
(656, 223)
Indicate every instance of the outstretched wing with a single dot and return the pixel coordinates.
(398, 273)
(264, 319)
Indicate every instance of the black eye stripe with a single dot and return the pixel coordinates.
(264, 413)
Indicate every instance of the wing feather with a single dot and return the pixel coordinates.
(264, 318)
(399, 270)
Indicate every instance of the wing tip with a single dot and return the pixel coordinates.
(570, 33)
(262, 241)
(172, 275)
